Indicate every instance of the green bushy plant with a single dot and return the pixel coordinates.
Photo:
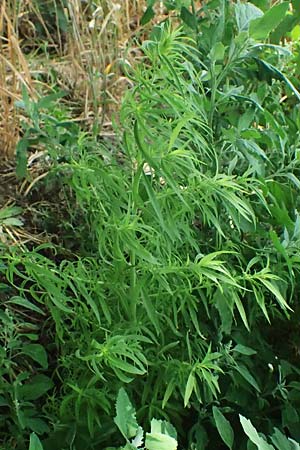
(185, 269)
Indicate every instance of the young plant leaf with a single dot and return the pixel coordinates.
(244, 14)
(161, 437)
(125, 418)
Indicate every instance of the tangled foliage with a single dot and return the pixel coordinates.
(183, 282)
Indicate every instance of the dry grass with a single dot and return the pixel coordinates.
(83, 59)
(14, 73)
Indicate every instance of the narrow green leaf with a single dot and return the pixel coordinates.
(239, 348)
(147, 16)
(224, 428)
(189, 388)
(275, 291)
(26, 304)
(261, 28)
(241, 310)
(244, 372)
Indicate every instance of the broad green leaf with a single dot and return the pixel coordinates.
(36, 424)
(37, 353)
(244, 350)
(253, 435)
(224, 428)
(188, 18)
(244, 14)
(261, 28)
(125, 418)
(36, 387)
(35, 443)
(151, 311)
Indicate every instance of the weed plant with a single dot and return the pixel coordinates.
(183, 281)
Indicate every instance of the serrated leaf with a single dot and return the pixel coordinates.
(253, 435)
(162, 436)
(224, 428)
(157, 441)
(261, 28)
(125, 418)
(139, 438)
